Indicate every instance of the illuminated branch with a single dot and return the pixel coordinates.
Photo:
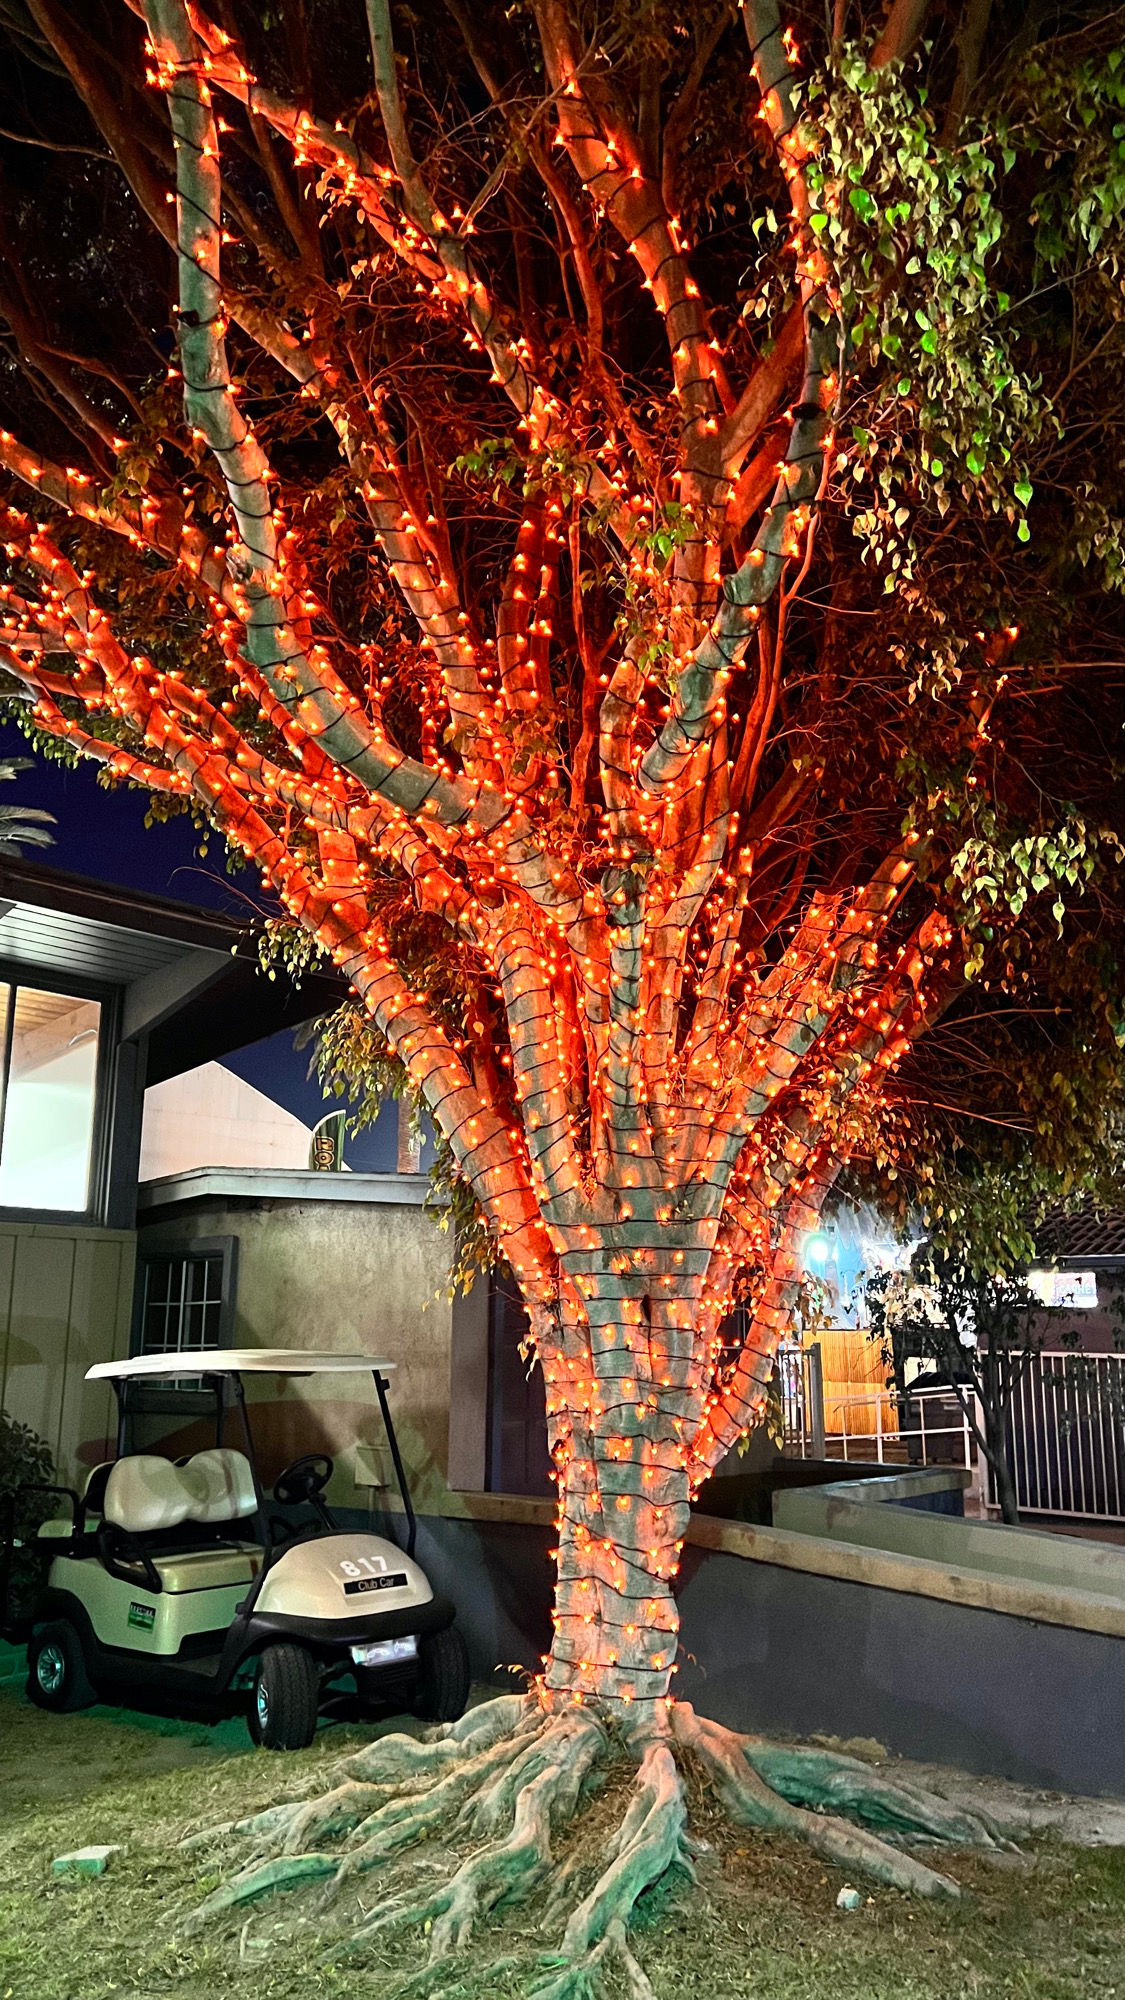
(763, 392)
(607, 158)
(537, 409)
(701, 685)
(584, 740)
(327, 710)
(438, 254)
(496, 1171)
(427, 586)
(480, 1141)
(539, 1071)
(611, 171)
(734, 1404)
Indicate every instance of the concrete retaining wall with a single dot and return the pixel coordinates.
(881, 1514)
(796, 1634)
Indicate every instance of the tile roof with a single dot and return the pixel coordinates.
(1089, 1232)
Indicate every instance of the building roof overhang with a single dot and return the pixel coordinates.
(189, 979)
(261, 1186)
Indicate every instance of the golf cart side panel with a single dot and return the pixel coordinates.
(122, 1671)
(342, 1576)
(128, 1616)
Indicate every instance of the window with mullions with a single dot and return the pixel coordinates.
(181, 1303)
(48, 1097)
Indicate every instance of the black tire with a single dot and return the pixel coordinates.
(285, 1699)
(443, 1682)
(56, 1669)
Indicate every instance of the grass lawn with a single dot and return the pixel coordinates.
(761, 1920)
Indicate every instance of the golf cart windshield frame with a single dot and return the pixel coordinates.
(214, 1381)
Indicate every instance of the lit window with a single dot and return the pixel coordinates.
(50, 1069)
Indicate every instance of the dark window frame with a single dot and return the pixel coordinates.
(108, 998)
(182, 1250)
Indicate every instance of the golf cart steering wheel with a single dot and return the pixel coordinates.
(305, 1479)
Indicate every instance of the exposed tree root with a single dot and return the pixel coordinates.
(825, 1778)
(580, 1981)
(646, 1847)
(508, 1783)
(751, 1802)
(543, 1786)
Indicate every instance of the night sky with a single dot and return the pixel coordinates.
(102, 834)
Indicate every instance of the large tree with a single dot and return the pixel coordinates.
(624, 535)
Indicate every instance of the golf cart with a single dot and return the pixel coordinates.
(178, 1580)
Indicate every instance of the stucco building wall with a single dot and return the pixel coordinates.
(344, 1275)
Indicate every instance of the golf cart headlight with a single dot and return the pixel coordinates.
(385, 1652)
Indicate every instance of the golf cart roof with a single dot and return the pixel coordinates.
(235, 1361)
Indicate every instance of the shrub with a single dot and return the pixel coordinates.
(24, 1459)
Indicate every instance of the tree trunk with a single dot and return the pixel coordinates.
(615, 1618)
(1002, 1473)
(617, 1440)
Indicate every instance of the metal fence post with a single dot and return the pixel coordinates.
(980, 1476)
(816, 1399)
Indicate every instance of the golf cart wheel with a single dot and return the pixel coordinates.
(443, 1683)
(285, 1698)
(56, 1669)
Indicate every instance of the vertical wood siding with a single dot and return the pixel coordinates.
(65, 1302)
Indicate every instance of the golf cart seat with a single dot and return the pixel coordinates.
(144, 1493)
(93, 1500)
(153, 1510)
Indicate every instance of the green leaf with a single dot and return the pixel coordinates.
(862, 203)
(818, 221)
(929, 341)
(1023, 532)
(1023, 491)
(976, 462)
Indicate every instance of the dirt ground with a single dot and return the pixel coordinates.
(761, 1919)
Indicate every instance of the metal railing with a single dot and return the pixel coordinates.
(932, 1440)
(802, 1400)
(884, 1434)
(1066, 1430)
(1066, 1436)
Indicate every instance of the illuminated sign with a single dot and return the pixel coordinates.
(1065, 1288)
